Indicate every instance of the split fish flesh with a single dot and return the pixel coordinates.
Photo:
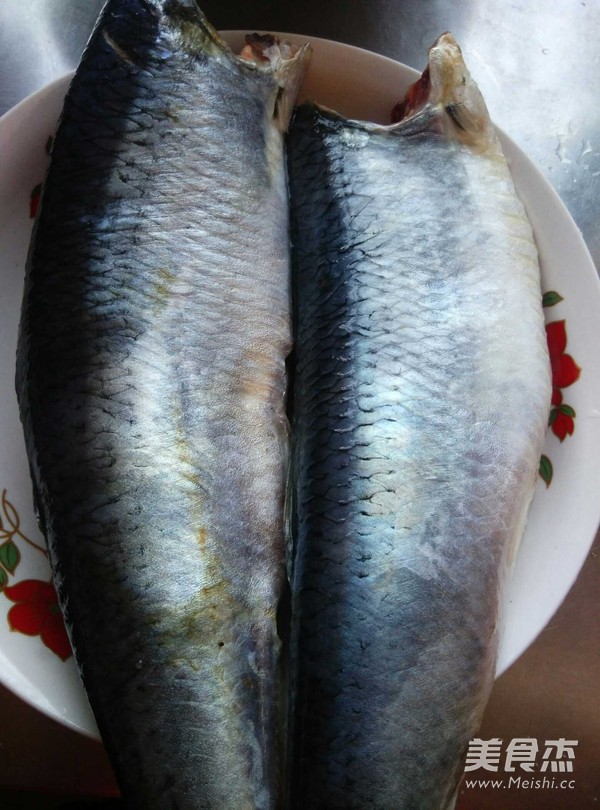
(422, 392)
(151, 381)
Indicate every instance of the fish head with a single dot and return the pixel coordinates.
(453, 88)
(447, 86)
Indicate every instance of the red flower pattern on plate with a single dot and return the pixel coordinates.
(37, 613)
(565, 372)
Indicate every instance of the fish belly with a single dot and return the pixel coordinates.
(151, 380)
(421, 399)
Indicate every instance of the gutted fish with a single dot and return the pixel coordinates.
(151, 382)
(421, 399)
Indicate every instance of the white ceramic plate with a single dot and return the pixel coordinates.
(564, 516)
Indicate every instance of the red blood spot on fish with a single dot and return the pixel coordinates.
(415, 98)
(34, 200)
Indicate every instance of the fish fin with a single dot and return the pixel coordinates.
(447, 85)
(288, 64)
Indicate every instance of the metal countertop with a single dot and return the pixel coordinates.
(537, 70)
(537, 66)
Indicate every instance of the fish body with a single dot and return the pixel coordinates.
(422, 391)
(151, 383)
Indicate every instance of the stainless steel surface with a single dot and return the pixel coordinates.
(537, 65)
(537, 69)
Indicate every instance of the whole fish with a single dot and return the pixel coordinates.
(151, 382)
(422, 392)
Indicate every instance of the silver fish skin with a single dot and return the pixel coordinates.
(151, 381)
(422, 393)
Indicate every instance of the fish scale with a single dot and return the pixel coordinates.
(421, 400)
(151, 382)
